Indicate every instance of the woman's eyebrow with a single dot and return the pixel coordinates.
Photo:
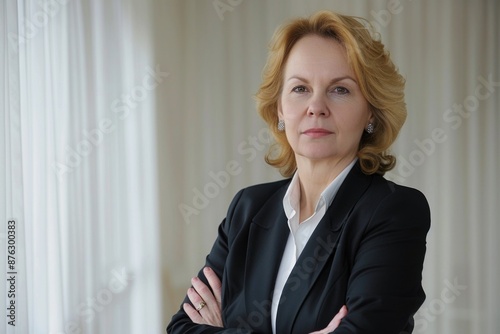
(334, 80)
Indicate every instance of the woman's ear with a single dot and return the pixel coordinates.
(280, 110)
(371, 117)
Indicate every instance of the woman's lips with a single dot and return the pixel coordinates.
(317, 132)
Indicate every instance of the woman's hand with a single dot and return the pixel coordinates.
(208, 304)
(334, 323)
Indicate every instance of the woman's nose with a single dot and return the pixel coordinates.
(318, 107)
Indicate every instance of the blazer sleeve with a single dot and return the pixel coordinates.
(384, 289)
(181, 323)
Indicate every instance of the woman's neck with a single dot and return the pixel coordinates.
(314, 177)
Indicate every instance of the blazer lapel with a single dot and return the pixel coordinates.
(319, 249)
(266, 242)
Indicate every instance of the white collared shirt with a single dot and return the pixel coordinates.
(301, 232)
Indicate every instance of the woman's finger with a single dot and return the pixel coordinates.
(204, 292)
(338, 317)
(205, 308)
(193, 314)
(334, 323)
(196, 300)
(214, 282)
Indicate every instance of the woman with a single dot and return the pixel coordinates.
(335, 247)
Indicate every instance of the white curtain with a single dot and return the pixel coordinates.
(12, 230)
(78, 92)
(449, 148)
(127, 127)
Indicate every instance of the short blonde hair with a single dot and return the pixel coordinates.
(378, 78)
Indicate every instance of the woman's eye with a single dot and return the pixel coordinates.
(341, 90)
(299, 89)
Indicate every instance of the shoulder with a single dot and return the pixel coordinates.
(265, 188)
(249, 202)
(380, 200)
(404, 194)
(257, 195)
(375, 188)
(371, 191)
(393, 191)
(396, 202)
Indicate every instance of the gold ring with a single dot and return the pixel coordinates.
(201, 305)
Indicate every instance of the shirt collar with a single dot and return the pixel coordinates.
(291, 200)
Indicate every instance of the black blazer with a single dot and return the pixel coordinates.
(367, 252)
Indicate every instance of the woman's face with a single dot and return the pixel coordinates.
(321, 103)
